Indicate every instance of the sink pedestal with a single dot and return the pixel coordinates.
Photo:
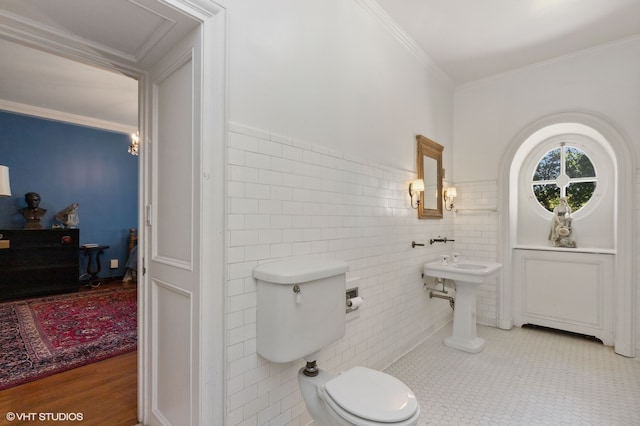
(468, 276)
(464, 335)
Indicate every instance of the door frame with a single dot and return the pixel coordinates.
(625, 275)
(210, 343)
(211, 16)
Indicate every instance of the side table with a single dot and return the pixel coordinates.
(92, 253)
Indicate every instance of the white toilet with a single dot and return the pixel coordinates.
(301, 309)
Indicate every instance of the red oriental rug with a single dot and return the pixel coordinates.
(44, 336)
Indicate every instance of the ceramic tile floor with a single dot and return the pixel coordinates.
(522, 377)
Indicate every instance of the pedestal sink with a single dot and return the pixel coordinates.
(467, 276)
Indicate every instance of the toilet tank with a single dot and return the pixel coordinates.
(290, 324)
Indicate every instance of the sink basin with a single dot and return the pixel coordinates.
(469, 266)
(467, 276)
(469, 271)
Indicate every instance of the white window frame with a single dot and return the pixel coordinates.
(589, 146)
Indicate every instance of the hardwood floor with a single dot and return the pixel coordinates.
(103, 393)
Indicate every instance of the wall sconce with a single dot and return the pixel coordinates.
(5, 186)
(449, 194)
(135, 143)
(415, 187)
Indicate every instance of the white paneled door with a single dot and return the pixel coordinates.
(173, 235)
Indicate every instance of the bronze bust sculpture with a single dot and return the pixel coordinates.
(32, 213)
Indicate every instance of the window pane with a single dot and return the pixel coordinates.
(578, 193)
(549, 167)
(577, 164)
(547, 195)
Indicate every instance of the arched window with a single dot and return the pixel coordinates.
(564, 160)
(564, 171)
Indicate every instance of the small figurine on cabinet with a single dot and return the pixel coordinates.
(32, 213)
(69, 216)
(561, 233)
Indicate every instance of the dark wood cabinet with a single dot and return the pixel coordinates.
(38, 262)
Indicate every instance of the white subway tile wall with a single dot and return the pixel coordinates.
(293, 198)
(476, 235)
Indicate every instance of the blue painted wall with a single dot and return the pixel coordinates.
(67, 164)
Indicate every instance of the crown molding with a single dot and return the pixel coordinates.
(22, 30)
(65, 117)
(408, 42)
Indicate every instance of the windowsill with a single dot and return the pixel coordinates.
(563, 249)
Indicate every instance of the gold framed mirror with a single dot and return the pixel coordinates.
(429, 158)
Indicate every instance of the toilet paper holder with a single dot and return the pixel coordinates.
(352, 299)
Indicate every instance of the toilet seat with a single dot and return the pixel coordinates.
(368, 397)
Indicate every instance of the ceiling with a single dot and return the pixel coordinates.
(467, 39)
(39, 83)
(473, 39)
(134, 34)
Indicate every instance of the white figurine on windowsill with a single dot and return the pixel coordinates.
(561, 233)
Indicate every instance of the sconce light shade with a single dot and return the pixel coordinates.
(449, 194)
(5, 186)
(415, 187)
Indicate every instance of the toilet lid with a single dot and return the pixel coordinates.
(372, 395)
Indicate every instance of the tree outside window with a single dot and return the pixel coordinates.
(565, 171)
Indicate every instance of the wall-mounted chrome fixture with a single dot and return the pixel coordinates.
(449, 194)
(134, 146)
(439, 240)
(353, 300)
(5, 187)
(415, 187)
